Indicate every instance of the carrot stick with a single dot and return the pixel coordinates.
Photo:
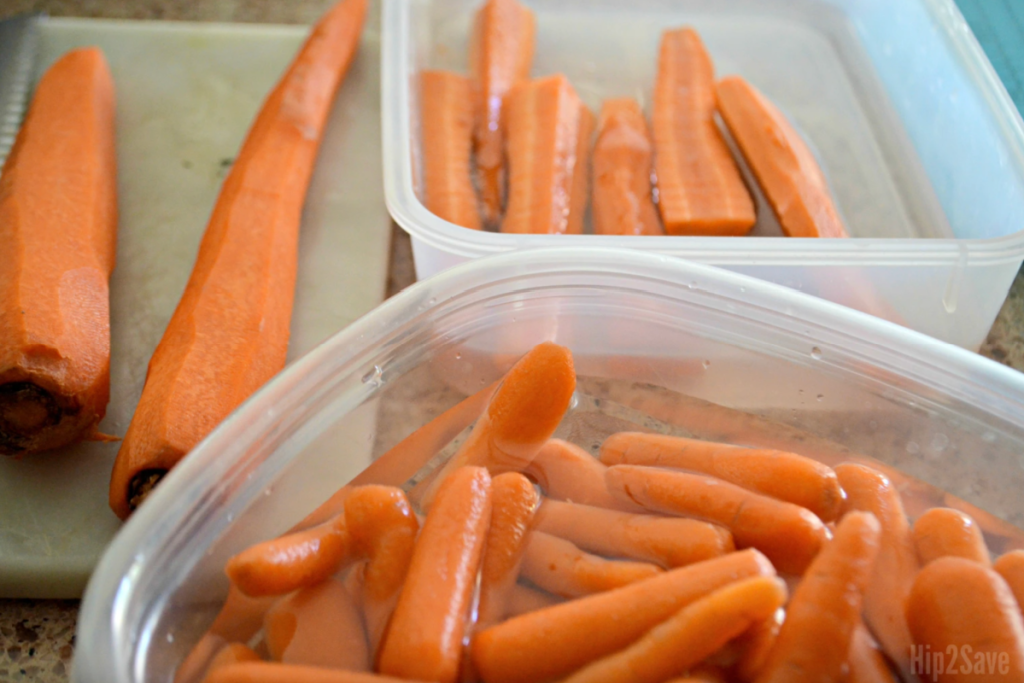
(58, 228)
(867, 663)
(1010, 566)
(623, 166)
(513, 504)
(754, 647)
(960, 607)
(667, 541)
(693, 634)
(233, 653)
(551, 643)
(523, 599)
(272, 672)
(785, 168)
(944, 532)
(229, 334)
(820, 619)
(548, 130)
(700, 190)
(424, 639)
(567, 472)
(786, 476)
(501, 51)
(788, 534)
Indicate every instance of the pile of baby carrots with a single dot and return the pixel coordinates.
(506, 152)
(525, 559)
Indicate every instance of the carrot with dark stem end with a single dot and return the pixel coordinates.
(523, 599)
(567, 472)
(272, 672)
(944, 532)
(1010, 566)
(229, 333)
(866, 661)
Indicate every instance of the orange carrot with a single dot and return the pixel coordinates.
(58, 228)
(786, 476)
(702, 674)
(754, 647)
(866, 661)
(229, 334)
(548, 130)
(272, 672)
(551, 643)
(318, 626)
(1010, 566)
(944, 532)
(700, 190)
(623, 166)
(785, 168)
(788, 534)
(567, 472)
(668, 541)
(959, 607)
(501, 51)
(424, 639)
(690, 636)
(233, 653)
(523, 599)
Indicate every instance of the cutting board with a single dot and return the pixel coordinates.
(186, 94)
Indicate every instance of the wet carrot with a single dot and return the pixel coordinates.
(700, 190)
(785, 168)
(754, 647)
(944, 532)
(548, 130)
(623, 202)
(523, 599)
(567, 472)
(58, 228)
(786, 476)
(866, 662)
(788, 534)
(318, 626)
(272, 672)
(814, 640)
(961, 608)
(1010, 566)
(690, 636)
(553, 642)
(424, 639)
(229, 333)
(501, 51)
(234, 653)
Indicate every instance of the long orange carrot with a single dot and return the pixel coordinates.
(229, 334)
(1010, 566)
(523, 599)
(700, 190)
(424, 639)
(551, 643)
(548, 130)
(623, 202)
(567, 472)
(271, 672)
(58, 228)
(867, 663)
(785, 168)
(788, 534)
(782, 475)
(944, 532)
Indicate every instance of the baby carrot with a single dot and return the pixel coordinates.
(567, 472)
(623, 165)
(962, 608)
(551, 643)
(700, 190)
(229, 333)
(272, 672)
(523, 599)
(58, 228)
(788, 534)
(944, 532)
(513, 504)
(867, 663)
(1010, 566)
(318, 626)
(786, 476)
(785, 168)
(820, 619)
(754, 647)
(561, 568)
(233, 653)
(424, 639)
(690, 636)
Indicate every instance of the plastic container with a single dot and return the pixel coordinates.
(661, 342)
(922, 146)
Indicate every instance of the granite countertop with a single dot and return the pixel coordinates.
(37, 636)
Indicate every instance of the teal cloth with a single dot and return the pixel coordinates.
(999, 26)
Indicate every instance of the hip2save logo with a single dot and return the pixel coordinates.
(963, 660)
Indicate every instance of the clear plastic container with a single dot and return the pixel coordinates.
(658, 342)
(922, 146)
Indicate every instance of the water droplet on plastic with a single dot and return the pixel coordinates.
(743, 290)
(706, 363)
(913, 448)
(432, 302)
(939, 442)
(820, 397)
(170, 637)
(815, 353)
(458, 356)
(230, 517)
(988, 437)
(692, 285)
(575, 401)
(374, 376)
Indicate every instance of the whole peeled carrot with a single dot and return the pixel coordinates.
(1010, 566)
(513, 504)
(272, 672)
(229, 333)
(58, 230)
(567, 472)
(867, 663)
(318, 626)
(944, 532)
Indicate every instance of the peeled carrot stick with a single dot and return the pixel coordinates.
(548, 130)
(58, 228)
(272, 672)
(318, 626)
(424, 639)
(513, 504)
(567, 472)
(233, 653)
(788, 534)
(623, 166)
(785, 168)
(523, 599)
(667, 541)
(551, 643)
(700, 190)
(866, 662)
(1010, 566)
(229, 334)
(960, 607)
(693, 634)
(754, 647)
(501, 51)
(446, 122)
(786, 476)
(944, 532)
(561, 568)
(825, 610)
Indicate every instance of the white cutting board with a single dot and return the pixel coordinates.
(186, 94)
